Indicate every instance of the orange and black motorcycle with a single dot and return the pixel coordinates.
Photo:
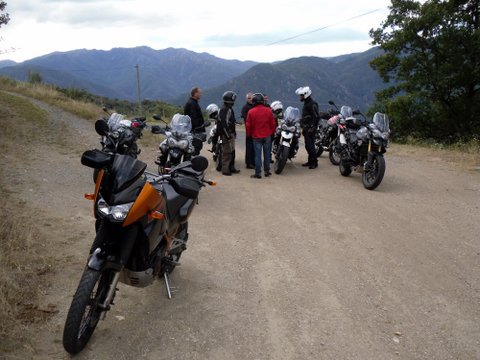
(141, 232)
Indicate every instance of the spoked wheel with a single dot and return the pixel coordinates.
(85, 310)
(373, 175)
(333, 154)
(344, 167)
(281, 159)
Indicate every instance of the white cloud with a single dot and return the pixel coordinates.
(240, 30)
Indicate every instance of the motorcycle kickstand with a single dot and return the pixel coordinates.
(169, 289)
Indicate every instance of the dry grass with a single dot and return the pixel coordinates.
(50, 95)
(21, 270)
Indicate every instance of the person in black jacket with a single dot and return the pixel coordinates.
(226, 131)
(310, 118)
(249, 150)
(193, 109)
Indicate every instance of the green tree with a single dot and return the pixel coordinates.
(34, 77)
(432, 53)
(4, 17)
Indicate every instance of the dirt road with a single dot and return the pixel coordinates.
(303, 265)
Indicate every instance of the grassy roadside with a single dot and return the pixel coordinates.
(51, 96)
(23, 263)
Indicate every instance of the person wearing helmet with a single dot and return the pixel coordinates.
(260, 126)
(192, 109)
(212, 113)
(249, 151)
(277, 108)
(227, 133)
(310, 118)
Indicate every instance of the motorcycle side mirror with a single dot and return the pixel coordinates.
(101, 127)
(106, 110)
(356, 112)
(199, 163)
(331, 102)
(157, 129)
(157, 117)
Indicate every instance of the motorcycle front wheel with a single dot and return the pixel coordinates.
(344, 167)
(373, 176)
(85, 310)
(333, 154)
(281, 160)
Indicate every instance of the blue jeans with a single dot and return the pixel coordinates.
(266, 145)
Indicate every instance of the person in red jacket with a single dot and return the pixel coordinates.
(260, 126)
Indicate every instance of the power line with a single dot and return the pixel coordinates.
(325, 27)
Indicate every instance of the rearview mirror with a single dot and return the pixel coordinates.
(101, 127)
(157, 129)
(199, 163)
(157, 117)
(331, 102)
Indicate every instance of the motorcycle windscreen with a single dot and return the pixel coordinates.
(126, 170)
(381, 122)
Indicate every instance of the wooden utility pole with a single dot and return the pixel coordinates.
(138, 92)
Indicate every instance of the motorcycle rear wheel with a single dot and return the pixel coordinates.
(344, 167)
(84, 312)
(281, 159)
(372, 177)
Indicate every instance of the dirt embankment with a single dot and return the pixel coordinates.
(304, 265)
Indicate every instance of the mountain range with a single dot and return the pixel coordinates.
(169, 74)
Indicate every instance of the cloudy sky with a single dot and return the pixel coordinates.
(227, 29)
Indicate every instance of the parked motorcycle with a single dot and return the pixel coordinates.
(362, 147)
(122, 134)
(327, 133)
(285, 144)
(178, 145)
(141, 232)
(119, 135)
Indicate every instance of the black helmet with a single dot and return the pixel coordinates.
(258, 99)
(229, 97)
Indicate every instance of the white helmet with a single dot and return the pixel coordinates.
(212, 110)
(304, 90)
(276, 105)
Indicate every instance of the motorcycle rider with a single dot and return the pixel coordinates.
(212, 113)
(260, 126)
(192, 109)
(310, 119)
(249, 151)
(226, 131)
(277, 108)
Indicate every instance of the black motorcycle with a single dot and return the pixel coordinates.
(285, 144)
(119, 135)
(122, 134)
(179, 143)
(362, 147)
(326, 134)
(141, 232)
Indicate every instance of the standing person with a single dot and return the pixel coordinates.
(310, 118)
(249, 151)
(226, 131)
(192, 109)
(260, 126)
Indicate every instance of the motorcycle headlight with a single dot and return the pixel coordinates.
(385, 135)
(376, 133)
(118, 212)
